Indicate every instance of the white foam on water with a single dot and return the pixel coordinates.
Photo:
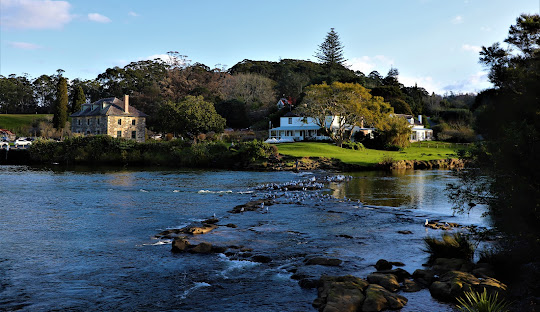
(159, 243)
(235, 265)
(144, 191)
(176, 191)
(245, 192)
(196, 286)
(214, 192)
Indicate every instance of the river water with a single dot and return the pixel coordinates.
(83, 240)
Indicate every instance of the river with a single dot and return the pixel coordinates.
(83, 240)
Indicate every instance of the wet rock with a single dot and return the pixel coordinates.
(219, 249)
(443, 265)
(299, 276)
(203, 248)
(424, 277)
(453, 284)
(383, 265)
(210, 221)
(323, 261)
(253, 205)
(379, 299)
(410, 286)
(388, 281)
(340, 294)
(397, 263)
(261, 259)
(180, 244)
(399, 273)
(345, 236)
(483, 270)
(308, 283)
(405, 232)
(234, 226)
(195, 230)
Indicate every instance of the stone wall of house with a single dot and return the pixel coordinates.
(94, 125)
(90, 125)
(126, 127)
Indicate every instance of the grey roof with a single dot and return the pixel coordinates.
(108, 107)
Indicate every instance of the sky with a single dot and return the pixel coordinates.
(432, 43)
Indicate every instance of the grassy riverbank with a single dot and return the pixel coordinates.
(369, 157)
(20, 122)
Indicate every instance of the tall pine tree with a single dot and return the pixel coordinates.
(78, 99)
(61, 104)
(330, 52)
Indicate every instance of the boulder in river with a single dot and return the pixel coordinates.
(340, 294)
(323, 261)
(388, 281)
(398, 272)
(453, 284)
(383, 265)
(379, 299)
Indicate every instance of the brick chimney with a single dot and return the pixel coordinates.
(126, 103)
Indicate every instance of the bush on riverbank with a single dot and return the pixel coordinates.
(102, 149)
(456, 245)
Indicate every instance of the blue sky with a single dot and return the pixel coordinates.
(433, 43)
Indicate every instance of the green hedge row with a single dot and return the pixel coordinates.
(106, 150)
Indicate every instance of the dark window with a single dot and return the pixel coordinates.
(133, 134)
(98, 121)
(119, 133)
(133, 122)
(119, 121)
(290, 121)
(79, 122)
(87, 121)
(98, 132)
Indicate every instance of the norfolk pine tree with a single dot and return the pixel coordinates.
(330, 52)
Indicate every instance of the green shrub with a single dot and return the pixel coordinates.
(353, 145)
(482, 302)
(450, 246)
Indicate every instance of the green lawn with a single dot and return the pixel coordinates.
(20, 122)
(366, 157)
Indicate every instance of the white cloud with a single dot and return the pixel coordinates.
(24, 45)
(425, 82)
(457, 20)
(34, 14)
(474, 83)
(472, 48)
(131, 13)
(96, 17)
(367, 64)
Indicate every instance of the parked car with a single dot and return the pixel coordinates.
(22, 142)
(4, 145)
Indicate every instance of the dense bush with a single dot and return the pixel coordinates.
(353, 145)
(449, 246)
(102, 149)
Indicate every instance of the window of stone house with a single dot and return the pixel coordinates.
(133, 122)
(79, 122)
(290, 121)
(119, 134)
(98, 132)
(133, 134)
(98, 121)
(88, 121)
(119, 121)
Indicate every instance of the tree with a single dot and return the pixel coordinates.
(255, 90)
(330, 52)
(349, 105)
(60, 104)
(509, 120)
(190, 117)
(78, 99)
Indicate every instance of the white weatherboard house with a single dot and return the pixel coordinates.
(419, 133)
(297, 128)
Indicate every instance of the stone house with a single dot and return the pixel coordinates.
(110, 116)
